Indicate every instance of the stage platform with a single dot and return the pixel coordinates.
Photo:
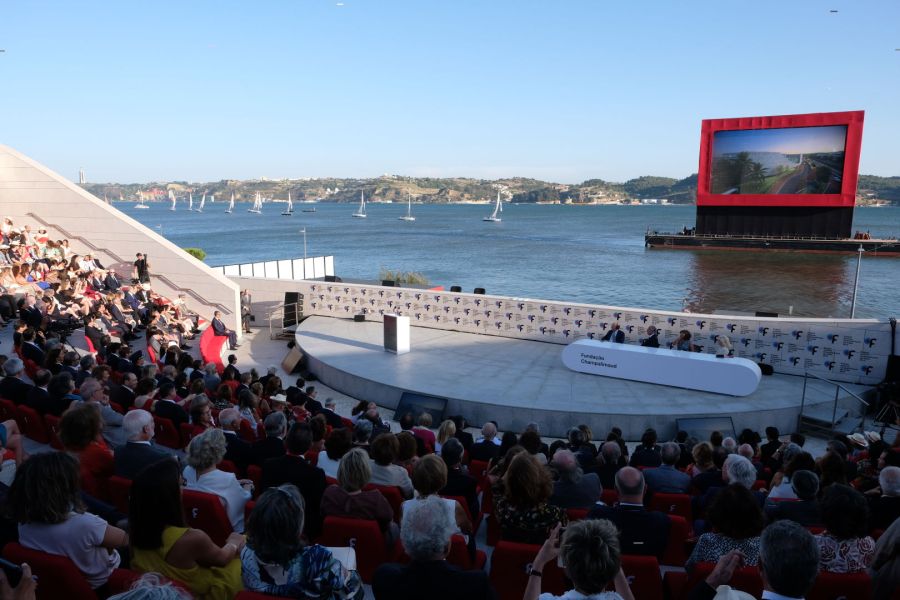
(515, 382)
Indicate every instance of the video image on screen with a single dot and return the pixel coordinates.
(795, 160)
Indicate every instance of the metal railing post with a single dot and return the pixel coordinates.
(802, 401)
(837, 391)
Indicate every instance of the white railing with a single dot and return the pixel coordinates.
(291, 269)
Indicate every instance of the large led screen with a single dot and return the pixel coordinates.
(796, 160)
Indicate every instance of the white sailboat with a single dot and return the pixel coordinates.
(140, 203)
(230, 208)
(408, 216)
(173, 199)
(190, 202)
(290, 207)
(257, 205)
(202, 202)
(361, 211)
(498, 208)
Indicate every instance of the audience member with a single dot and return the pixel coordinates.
(611, 455)
(486, 449)
(152, 586)
(737, 521)
(459, 483)
(44, 499)
(666, 478)
(384, 471)
(273, 444)
(80, 433)
(204, 453)
(429, 477)
(277, 562)
(446, 431)
(885, 509)
(805, 509)
(648, 453)
(573, 488)
(643, 531)
(844, 546)
(885, 567)
(425, 531)
(237, 450)
(139, 451)
(162, 542)
(521, 504)
(590, 553)
(336, 446)
(293, 468)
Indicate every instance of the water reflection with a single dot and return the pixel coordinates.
(815, 285)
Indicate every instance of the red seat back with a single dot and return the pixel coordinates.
(509, 571)
(90, 345)
(227, 466)
(247, 431)
(312, 456)
(254, 474)
(119, 490)
(643, 576)
(841, 586)
(32, 424)
(187, 433)
(7, 410)
(672, 504)
(166, 434)
(609, 496)
(363, 535)
(207, 512)
(478, 469)
(576, 514)
(52, 424)
(58, 576)
(746, 579)
(392, 494)
(679, 532)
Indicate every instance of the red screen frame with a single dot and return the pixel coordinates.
(853, 120)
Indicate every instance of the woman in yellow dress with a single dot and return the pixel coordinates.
(162, 543)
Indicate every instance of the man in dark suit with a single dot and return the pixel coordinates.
(459, 483)
(220, 330)
(238, 451)
(12, 387)
(611, 453)
(139, 451)
(805, 510)
(767, 450)
(331, 417)
(111, 281)
(273, 444)
(461, 434)
(231, 369)
(666, 478)
(643, 531)
(167, 408)
(713, 477)
(885, 509)
(485, 449)
(124, 394)
(615, 335)
(426, 535)
(30, 313)
(38, 396)
(30, 349)
(293, 468)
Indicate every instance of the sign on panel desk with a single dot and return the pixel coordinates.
(705, 372)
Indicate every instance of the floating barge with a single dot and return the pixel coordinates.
(693, 241)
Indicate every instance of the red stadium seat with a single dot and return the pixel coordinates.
(392, 494)
(841, 586)
(459, 555)
(227, 466)
(254, 474)
(211, 348)
(746, 579)
(672, 504)
(52, 424)
(58, 577)
(32, 424)
(118, 489)
(577, 514)
(7, 410)
(186, 432)
(166, 434)
(478, 470)
(642, 573)
(509, 571)
(247, 431)
(609, 497)
(679, 532)
(363, 535)
(206, 512)
(476, 520)
(330, 481)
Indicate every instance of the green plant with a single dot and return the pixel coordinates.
(197, 253)
(413, 277)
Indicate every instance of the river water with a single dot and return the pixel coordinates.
(592, 254)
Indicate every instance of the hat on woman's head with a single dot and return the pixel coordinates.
(872, 436)
(279, 398)
(858, 439)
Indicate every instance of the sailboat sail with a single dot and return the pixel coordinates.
(408, 216)
(290, 207)
(230, 204)
(202, 202)
(361, 211)
(498, 208)
(173, 199)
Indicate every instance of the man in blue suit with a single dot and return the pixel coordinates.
(615, 334)
(666, 478)
(219, 329)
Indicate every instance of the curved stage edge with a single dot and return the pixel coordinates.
(515, 382)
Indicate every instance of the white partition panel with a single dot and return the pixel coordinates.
(259, 270)
(309, 271)
(329, 265)
(298, 268)
(271, 268)
(232, 270)
(285, 269)
(246, 270)
(319, 266)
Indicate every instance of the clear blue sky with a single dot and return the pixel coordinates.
(559, 90)
(793, 140)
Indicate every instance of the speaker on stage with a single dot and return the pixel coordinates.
(893, 369)
(293, 360)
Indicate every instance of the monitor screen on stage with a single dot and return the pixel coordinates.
(701, 428)
(418, 403)
(793, 160)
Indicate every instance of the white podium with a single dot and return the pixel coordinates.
(705, 372)
(396, 334)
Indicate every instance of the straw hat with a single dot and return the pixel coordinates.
(858, 439)
(279, 398)
(872, 436)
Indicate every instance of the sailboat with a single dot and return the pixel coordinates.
(495, 216)
(140, 203)
(202, 202)
(173, 199)
(230, 208)
(408, 216)
(290, 207)
(190, 202)
(257, 205)
(361, 211)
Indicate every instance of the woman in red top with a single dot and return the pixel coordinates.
(80, 432)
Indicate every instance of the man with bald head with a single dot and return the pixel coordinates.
(643, 531)
(486, 449)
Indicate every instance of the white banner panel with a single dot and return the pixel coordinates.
(259, 270)
(285, 269)
(298, 268)
(246, 270)
(329, 265)
(231, 270)
(271, 268)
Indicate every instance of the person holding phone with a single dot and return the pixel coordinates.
(16, 582)
(589, 552)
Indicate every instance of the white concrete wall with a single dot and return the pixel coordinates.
(30, 193)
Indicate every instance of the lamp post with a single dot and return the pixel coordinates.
(859, 251)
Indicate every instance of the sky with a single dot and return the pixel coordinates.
(792, 140)
(561, 90)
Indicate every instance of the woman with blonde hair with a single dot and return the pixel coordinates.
(446, 431)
